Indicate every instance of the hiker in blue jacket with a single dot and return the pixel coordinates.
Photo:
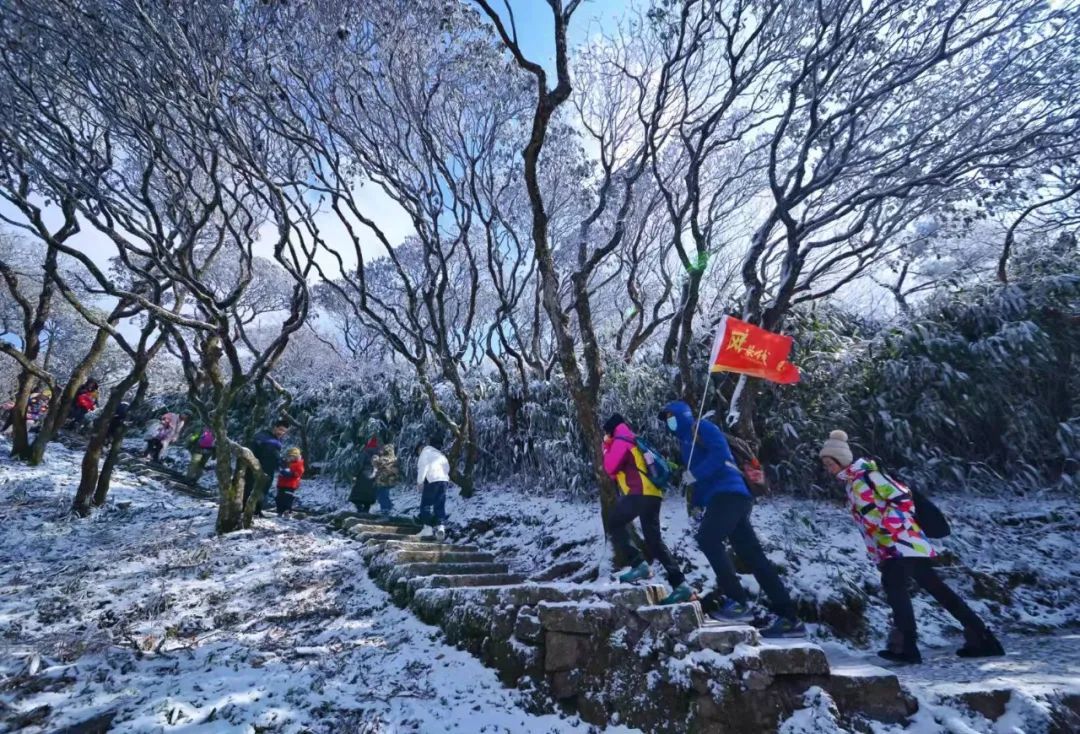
(723, 503)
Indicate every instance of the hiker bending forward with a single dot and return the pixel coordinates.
(638, 499)
(884, 510)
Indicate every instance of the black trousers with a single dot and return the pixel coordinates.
(895, 573)
(728, 518)
(284, 500)
(632, 507)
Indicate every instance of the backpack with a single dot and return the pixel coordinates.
(658, 469)
(206, 439)
(749, 465)
(929, 516)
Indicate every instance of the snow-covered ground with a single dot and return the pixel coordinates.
(143, 611)
(1015, 562)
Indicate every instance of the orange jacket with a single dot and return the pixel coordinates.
(290, 474)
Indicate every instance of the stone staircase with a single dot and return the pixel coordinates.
(611, 653)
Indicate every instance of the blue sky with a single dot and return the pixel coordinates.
(534, 24)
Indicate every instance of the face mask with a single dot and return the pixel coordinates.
(672, 423)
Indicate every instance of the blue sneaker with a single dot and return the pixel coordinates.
(637, 573)
(782, 627)
(681, 593)
(732, 611)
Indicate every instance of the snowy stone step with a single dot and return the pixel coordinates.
(869, 690)
(374, 548)
(438, 555)
(792, 657)
(450, 582)
(363, 527)
(365, 536)
(724, 638)
(410, 570)
(677, 619)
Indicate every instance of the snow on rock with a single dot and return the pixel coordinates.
(145, 614)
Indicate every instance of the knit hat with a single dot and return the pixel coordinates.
(836, 447)
(373, 443)
(293, 453)
(612, 423)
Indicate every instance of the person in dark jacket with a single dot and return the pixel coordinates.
(722, 502)
(363, 491)
(118, 421)
(266, 445)
(638, 499)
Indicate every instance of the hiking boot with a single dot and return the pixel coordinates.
(980, 644)
(732, 611)
(906, 657)
(783, 627)
(637, 573)
(681, 593)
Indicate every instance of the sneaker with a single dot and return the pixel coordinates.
(909, 657)
(783, 627)
(681, 593)
(440, 533)
(732, 611)
(637, 573)
(982, 644)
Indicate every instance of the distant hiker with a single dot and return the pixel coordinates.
(433, 479)
(387, 475)
(363, 491)
(884, 510)
(266, 445)
(639, 499)
(201, 449)
(289, 476)
(118, 421)
(723, 503)
(36, 410)
(168, 429)
(86, 398)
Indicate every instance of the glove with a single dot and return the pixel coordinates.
(697, 514)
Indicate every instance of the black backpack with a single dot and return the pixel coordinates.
(929, 516)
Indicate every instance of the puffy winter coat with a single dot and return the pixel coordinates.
(363, 491)
(624, 462)
(290, 475)
(714, 468)
(385, 465)
(267, 450)
(432, 466)
(885, 513)
(87, 401)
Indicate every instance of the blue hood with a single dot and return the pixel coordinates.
(713, 466)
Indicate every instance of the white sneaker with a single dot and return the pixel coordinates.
(440, 533)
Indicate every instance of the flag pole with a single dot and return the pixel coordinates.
(717, 343)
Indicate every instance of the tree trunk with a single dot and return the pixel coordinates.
(117, 446)
(88, 482)
(60, 406)
(20, 439)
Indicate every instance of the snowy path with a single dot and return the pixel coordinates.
(144, 612)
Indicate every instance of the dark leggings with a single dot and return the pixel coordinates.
(895, 573)
(647, 509)
(728, 517)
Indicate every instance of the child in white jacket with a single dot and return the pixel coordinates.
(433, 479)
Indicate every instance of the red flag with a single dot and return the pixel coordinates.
(750, 350)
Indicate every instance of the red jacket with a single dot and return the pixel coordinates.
(86, 401)
(290, 474)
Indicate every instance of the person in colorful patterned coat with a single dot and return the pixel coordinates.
(638, 499)
(884, 510)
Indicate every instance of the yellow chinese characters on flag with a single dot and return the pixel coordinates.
(750, 350)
